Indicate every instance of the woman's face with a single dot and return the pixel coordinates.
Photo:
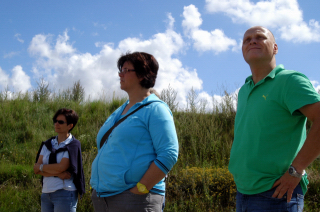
(60, 126)
(128, 77)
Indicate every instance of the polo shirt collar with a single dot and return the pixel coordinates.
(63, 143)
(271, 75)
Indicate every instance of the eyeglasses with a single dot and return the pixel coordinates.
(124, 70)
(59, 121)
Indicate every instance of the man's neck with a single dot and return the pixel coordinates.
(260, 71)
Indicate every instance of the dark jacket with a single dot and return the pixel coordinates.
(75, 158)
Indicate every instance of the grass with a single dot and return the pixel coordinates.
(199, 181)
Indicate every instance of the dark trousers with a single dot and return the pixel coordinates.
(265, 202)
(127, 201)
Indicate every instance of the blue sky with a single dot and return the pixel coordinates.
(197, 43)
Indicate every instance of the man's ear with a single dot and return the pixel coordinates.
(275, 49)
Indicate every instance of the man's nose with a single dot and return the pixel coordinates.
(253, 41)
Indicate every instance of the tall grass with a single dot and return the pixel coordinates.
(199, 181)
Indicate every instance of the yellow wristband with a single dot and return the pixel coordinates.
(142, 188)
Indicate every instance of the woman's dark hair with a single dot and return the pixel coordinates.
(71, 116)
(145, 66)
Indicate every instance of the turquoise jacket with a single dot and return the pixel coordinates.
(147, 136)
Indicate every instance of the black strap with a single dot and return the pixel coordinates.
(106, 135)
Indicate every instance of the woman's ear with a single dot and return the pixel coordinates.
(70, 126)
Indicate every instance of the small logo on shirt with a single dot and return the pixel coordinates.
(265, 97)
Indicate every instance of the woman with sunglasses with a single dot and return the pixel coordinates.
(59, 161)
(133, 159)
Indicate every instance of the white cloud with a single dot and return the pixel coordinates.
(62, 47)
(18, 82)
(192, 18)
(237, 47)
(41, 46)
(302, 32)
(282, 15)
(4, 80)
(18, 38)
(170, 21)
(61, 64)
(215, 40)
(77, 31)
(10, 54)
(103, 26)
(316, 85)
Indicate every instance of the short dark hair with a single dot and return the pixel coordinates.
(71, 116)
(145, 66)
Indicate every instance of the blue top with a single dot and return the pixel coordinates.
(51, 184)
(147, 136)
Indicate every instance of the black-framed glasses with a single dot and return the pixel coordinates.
(124, 70)
(59, 121)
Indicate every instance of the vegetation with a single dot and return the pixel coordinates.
(200, 180)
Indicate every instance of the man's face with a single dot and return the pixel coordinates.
(258, 45)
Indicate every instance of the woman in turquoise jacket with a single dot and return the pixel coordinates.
(132, 161)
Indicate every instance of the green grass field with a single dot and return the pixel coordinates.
(200, 180)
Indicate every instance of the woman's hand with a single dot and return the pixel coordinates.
(135, 191)
(36, 167)
(64, 175)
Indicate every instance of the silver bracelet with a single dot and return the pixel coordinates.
(41, 167)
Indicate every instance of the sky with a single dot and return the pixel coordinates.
(197, 43)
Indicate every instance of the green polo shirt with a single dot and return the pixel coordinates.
(269, 129)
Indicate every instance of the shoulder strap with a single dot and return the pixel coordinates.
(106, 135)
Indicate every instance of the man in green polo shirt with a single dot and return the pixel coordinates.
(271, 150)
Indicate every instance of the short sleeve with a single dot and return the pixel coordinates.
(299, 92)
(65, 154)
(44, 150)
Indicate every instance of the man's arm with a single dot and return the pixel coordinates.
(308, 153)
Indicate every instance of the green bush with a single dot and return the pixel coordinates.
(212, 188)
(313, 194)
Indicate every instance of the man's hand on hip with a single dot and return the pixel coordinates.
(286, 184)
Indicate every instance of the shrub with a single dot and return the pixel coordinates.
(213, 187)
(312, 196)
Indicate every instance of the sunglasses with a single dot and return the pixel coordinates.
(125, 70)
(59, 121)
